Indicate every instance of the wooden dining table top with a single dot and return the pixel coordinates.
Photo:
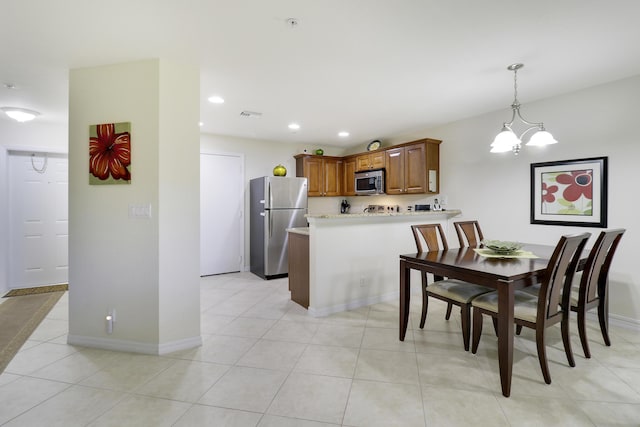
(484, 270)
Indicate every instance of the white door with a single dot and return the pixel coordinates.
(38, 220)
(221, 213)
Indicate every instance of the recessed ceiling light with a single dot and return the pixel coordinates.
(215, 99)
(20, 114)
(343, 134)
(294, 126)
(200, 124)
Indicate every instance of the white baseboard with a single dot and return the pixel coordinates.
(616, 320)
(134, 347)
(351, 305)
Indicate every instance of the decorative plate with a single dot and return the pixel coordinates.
(373, 145)
(502, 247)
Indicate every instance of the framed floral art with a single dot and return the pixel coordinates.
(570, 192)
(110, 153)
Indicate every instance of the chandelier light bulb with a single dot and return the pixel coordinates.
(507, 140)
(541, 138)
(504, 141)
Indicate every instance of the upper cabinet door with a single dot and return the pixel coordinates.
(332, 177)
(377, 160)
(415, 172)
(349, 176)
(394, 177)
(313, 171)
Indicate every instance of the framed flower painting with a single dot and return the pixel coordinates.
(110, 153)
(570, 192)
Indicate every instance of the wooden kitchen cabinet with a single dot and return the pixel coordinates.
(349, 176)
(298, 254)
(412, 168)
(370, 161)
(324, 174)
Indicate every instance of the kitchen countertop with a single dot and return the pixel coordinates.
(299, 230)
(446, 213)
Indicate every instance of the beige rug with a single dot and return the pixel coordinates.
(19, 317)
(36, 290)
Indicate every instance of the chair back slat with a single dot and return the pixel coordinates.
(432, 235)
(469, 233)
(556, 283)
(596, 270)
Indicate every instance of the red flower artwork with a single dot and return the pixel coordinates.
(547, 193)
(110, 153)
(580, 183)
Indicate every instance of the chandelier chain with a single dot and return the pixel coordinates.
(515, 87)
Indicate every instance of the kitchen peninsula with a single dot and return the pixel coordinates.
(353, 258)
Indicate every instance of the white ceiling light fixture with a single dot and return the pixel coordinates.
(294, 126)
(216, 99)
(20, 114)
(507, 140)
(343, 134)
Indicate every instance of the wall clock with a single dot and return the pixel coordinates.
(373, 145)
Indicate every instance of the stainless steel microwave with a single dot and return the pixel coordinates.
(370, 182)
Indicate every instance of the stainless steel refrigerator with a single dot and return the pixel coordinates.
(277, 203)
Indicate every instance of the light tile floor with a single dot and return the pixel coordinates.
(265, 362)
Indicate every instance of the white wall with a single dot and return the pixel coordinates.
(179, 203)
(146, 269)
(495, 188)
(39, 134)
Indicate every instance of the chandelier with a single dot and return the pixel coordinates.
(507, 140)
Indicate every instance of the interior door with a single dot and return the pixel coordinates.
(221, 213)
(38, 219)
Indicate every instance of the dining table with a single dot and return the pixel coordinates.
(504, 274)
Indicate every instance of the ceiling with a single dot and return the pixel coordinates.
(374, 68)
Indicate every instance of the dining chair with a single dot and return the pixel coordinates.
(593, 286)
(469, 233)
(550, 307)
(453, 292)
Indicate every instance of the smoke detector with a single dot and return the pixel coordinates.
(292, 22)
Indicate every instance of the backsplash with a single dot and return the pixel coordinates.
(331, 205)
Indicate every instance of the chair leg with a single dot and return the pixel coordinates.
(603, 316)
(495, 324)
(425, 300)
(465, 314)
(477, 329)
(542, 355)
(582, 330)
(449, 307)
(518, 329)
(566, 340)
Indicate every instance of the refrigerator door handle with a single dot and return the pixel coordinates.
(270, 226)
(269, 196)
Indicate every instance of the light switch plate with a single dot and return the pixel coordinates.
(140, 211)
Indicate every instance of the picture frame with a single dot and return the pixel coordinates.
(110, 153)
(570, 192)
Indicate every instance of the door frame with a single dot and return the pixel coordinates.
(242, 187)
